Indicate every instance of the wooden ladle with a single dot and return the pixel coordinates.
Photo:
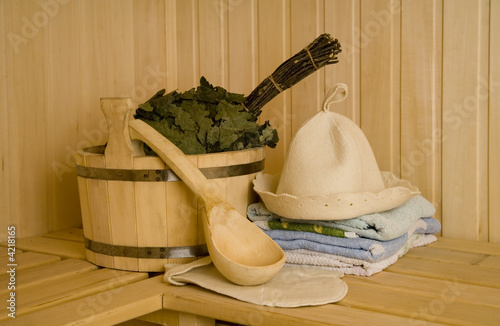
(241, 251)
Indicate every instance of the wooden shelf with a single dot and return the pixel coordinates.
(451, 281)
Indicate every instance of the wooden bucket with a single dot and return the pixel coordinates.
(138, 215)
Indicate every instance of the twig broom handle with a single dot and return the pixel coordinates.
(321, 52)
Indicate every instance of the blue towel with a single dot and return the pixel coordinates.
(360, 248)
(387, 225)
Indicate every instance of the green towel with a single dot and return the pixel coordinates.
(320, 229)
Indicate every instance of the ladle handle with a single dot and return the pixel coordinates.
(170, 154)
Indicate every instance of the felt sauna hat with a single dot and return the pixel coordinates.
(330, 172)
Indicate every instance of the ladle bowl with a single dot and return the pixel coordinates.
(240, 251)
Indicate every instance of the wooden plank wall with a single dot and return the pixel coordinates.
(424, 80)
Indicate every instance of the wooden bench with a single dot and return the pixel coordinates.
(448, 282)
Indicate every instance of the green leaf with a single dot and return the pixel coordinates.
(227, 137)
(182, 118)
(268, 136)
(163, 110)
(164, 100)
(213, 135)
(234, 98)
(205, 119)
(189, 95)
(146, 107)
(227, 111)
(172, 133)
(146, 115)
(204, 83)
(158, 94)
(190, 145)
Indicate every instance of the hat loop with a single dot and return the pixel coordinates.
(338, 94)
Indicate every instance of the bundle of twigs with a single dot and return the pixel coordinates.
(321, 52)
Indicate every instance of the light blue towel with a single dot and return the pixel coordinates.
(359, 248)
(384, 226)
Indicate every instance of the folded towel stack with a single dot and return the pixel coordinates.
(361, 246)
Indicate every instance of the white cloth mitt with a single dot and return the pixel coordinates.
(291, 287)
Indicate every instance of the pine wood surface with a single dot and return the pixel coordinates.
(423, 78)
(450, 282)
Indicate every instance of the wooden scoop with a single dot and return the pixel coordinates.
(239, 249)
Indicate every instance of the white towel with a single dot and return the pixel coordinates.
(302, 257)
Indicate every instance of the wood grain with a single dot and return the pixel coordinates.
(212, 20)
(274, 48)
(437, 130)
(380, 80)
(242, 46)
(147, 299)
(27, 260)
(348, 69)
(5, 197)
(421, 97)
(465, 124)
(62, 248)
(102, 281)
(151, 213)
(207, 303)
(55, 271)
(307, 96)
(494, 122)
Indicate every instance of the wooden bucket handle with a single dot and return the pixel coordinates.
(120, 149)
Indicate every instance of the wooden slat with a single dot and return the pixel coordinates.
(182, 217)
(421, 30)
(28, 260)
(171, 51)
(107, 282)
(491, 261)
(238, 187)
(470, 274)
(307, 96)
(342, 22)
(274, 48)
(4, 251)
(98, 310)
(465, 124)
(437, 288)
(136, 322)
(36, 276)
(28, 158)
(163, 316)
(73, 234)
(380, 80)
(420, 308)
(206, 303)
(150, 50)
(61, 248)
(151, 210)
(467, 246)
(194, 320)
(242, 46)
(494, 122)
(62, 53)
(120, 154)
(446, 255)
(84, 204)
(188, 53)
(99, 212)
(93, 72)
(119, 35)
(4, 130)
(212, 20)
